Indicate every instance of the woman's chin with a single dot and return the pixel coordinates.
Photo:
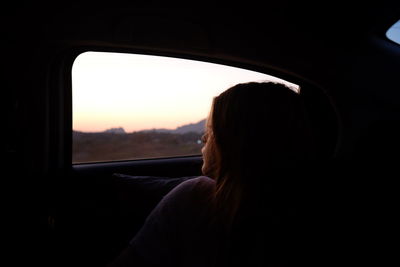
(207, 172)
(204, 170)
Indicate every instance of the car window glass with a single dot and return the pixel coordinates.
(393, 33)
(131, 106)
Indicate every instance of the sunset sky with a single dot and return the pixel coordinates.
(140, 92)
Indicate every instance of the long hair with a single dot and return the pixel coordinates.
(256, 127)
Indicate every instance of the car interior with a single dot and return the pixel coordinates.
(59, 213)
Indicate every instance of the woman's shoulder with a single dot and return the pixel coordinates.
(192, 188)
(199, 182)
(190, 193)
(176, 221)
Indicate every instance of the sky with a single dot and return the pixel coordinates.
(141, 92)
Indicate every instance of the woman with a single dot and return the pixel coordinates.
(253, 129)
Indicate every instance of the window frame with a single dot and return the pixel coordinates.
(61, 81)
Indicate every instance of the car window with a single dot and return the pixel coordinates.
(393, 33)
(132, 106)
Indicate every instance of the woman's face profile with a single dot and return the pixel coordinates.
(209, 152)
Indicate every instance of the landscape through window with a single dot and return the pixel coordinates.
(130, 106)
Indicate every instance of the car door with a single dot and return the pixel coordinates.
(115, 175)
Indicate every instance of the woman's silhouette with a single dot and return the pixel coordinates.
(253, 129)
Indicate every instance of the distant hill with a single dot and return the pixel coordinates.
(192, 127)
(118, 130)
(187, 128)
